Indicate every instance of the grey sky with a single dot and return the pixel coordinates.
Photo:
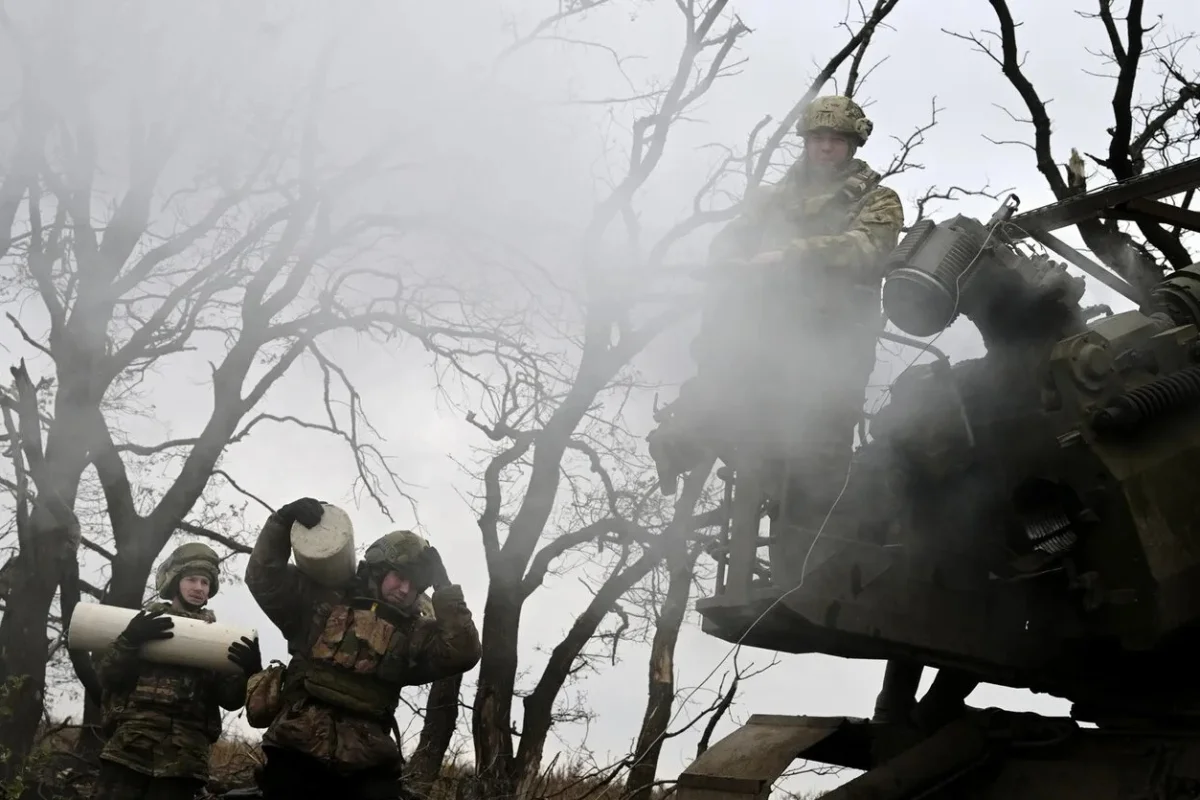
(499, 154)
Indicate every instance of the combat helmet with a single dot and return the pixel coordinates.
(836, 113)
(194, 558)
(398, 550)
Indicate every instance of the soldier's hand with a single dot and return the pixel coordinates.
(148, 626)
(247, 655)
(306, 511)
(438, 577)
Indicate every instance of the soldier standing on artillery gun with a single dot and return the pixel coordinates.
(787, 342)
(162, 720)
(331, 715)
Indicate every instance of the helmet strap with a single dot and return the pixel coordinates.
(185, 605)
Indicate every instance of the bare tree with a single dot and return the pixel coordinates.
(248, 268)
(1152, 131)
(553, 413)
(660, 694)
(847, 71)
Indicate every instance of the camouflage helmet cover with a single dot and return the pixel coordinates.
(395, 550)
(193, 558)
(836, 113)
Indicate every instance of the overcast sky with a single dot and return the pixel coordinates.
(502, 152)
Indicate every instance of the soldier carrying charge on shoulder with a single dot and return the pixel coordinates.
(161, 720)
(330, 715)
(791, 318)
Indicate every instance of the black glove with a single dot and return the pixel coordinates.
(306, 511)
(435, 570)
(247, 655)
(148, 627)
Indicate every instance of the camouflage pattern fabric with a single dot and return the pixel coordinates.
(351, 656)
(161, 719)
(395, 549)
(847, 223)
(805, 327)
(117, 782)
(786, 349)
(819, 308)
(264, 696)
(193, 558)
(836, 113)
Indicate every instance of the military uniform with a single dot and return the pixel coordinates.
(352, 653)
(161, 720)
(786, 348)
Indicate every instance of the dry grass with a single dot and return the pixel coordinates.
(457, 780)
(233, 761)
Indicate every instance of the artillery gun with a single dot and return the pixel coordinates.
(1030, 519)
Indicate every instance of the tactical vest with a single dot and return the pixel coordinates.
(818, 213)
(341, 662)
(798, 209)
(174, 693)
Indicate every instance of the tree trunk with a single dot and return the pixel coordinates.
(24, 647)
(491, 717)
(539, 704)
(660, 695)
(672, 543)
(23, 653)
(130, 574)
(441, 718)
(49, 548)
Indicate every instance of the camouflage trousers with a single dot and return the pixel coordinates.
(289, 775)
(780, 394)
(118, 782)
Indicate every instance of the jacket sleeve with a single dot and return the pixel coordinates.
(870, 237)
(117, 667)
(446, 645)
(283, 592)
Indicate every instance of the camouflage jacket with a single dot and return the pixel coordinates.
(836, 233)
(160, 719)
(820, 308)
(351, 656)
